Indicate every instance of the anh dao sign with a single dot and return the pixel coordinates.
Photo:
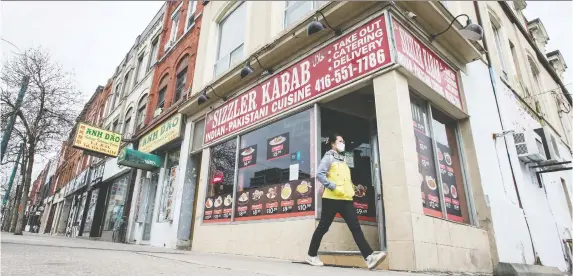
(137, 159)
(93, 139)
(352, 56)
(162, 134)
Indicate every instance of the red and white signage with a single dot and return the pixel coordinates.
(425, 65)
(350, 57)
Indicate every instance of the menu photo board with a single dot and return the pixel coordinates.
(291, 199)
(218, 208)
(365, 202)
(449, 184)
(248, 156)
(426, 168)
(278, 146)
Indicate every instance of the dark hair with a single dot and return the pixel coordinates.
(332, 138)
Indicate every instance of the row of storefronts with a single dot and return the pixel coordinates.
(238, 174)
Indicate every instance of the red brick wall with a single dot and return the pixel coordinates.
(186, 46)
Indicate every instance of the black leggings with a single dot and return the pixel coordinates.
(346, 209)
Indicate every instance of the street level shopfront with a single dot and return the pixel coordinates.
(153, 218)
(398, 103)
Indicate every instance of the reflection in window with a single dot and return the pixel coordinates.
(426, 165)
(116, 201)
(444, 129)
(222, 168)
(296, 10)
(277, 147)
(231, 39)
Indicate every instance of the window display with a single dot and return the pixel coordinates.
(168, 193)
(274, 170)
(444, 129)
(449, 182)
(218, 204)
(115, 204)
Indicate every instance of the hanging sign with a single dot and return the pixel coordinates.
(352, 56)
(97, 140)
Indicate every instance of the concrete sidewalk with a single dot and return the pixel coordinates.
(220, 263)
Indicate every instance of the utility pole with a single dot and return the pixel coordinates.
(12, 119)
(7, 194)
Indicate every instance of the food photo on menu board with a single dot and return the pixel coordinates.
(426, 167)
(218, 207)
(248, 157)
(278, 146)
(364, 202)
(291, 199)
(449, 187)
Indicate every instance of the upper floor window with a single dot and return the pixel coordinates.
(161, 94)
(535, 72)
(191, 8)
(116, 95)
(497, 37)
(127, 121)
(174, 25)
(296, 10)
(153, 53)
(231, 39)
(139, 69)
(125, 90)
(181, 78)
(115, 125)
(141, 106)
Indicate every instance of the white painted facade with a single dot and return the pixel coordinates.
(537, 228)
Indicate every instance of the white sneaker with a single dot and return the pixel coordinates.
(375, 259)
(314, 261)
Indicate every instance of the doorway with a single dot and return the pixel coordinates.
(353, 117)
(195, 172)
(151, 191)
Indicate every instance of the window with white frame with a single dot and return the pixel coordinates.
(127, 121)
(116, 94)
(174, 25)
(191, 8)
(153, 53)
(141, 106)
(296, 10)
(231, 39)
(139, 69)
(497, 37)
(125, 90)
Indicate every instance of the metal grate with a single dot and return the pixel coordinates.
(521, 149)
(519, 138)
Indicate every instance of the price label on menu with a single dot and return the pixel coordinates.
(242, 211)
(227, 213)
(287, 206)
(271, 208)
(256, 209)
(361, 208)
(304, 204)
(208, 215)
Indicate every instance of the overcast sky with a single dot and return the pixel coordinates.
(91, 38)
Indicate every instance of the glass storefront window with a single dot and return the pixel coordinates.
(444, 129)
(167, 195)
(91, 211)
(274, 170)
(438, 141)
(218, 204)
(114, 212)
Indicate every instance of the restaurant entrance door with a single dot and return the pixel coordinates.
(352, 117)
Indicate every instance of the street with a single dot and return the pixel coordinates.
(50, 255)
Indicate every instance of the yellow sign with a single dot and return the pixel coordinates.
(161, 135)
(97, 140)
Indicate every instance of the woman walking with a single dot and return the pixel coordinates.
(334, 174)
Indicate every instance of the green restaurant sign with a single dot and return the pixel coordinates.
(140, 160)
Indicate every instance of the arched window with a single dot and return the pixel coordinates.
(181, 78)
(126, 82)
(117, 94)
(127, 121)
(141, 106)
(162, 89)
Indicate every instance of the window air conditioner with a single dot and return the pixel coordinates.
(529, 146)
(157, 112)
(550, 145)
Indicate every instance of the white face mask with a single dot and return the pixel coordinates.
(340, 147)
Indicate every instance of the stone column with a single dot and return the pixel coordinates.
(187, 183)
(399, 167)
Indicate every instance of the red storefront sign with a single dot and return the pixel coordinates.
(425, 65)
(350, 57)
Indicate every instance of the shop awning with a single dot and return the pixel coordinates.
(140, 160)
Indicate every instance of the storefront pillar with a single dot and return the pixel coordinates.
(399, 167)
(185, 210)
